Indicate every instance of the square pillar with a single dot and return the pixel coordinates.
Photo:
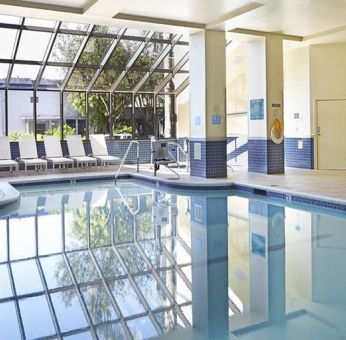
(265, 78)
(267, 260)
(208, 104)
(209, 231)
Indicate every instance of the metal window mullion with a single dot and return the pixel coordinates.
(44, 282)
(49, 300)
(138, 292)
(110, 295)
(14, 53)
(47, 54)
(87, 118)
(80, 33)
(106, 58)
(80, 297)
(182, 87)
(184, 244)
(162, 285)
(34, 103)
(77, 57)
(6, 112)
(157, 63)
(16, 303)
(171, 75)
(133, 115)
(177, 267)
(132, 60)
(61, 118)
(111, 120)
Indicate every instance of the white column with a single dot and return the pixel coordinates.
(265, 77)
(208, 104)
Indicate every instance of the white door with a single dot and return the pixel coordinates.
(331, 134)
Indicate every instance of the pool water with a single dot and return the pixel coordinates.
(131, 261)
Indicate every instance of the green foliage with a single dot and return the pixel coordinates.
(68, 131)
(122, 129)
(15, 136)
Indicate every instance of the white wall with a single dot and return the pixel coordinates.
(257, 84)
(297, 92)
(312, 73)
(207, 83)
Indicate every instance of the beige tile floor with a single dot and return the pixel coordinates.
(315, 183)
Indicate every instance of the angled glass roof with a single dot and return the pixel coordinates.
(51, 55)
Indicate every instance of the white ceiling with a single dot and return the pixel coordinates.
(323, 18)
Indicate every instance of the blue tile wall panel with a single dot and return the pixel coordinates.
(264, 156)
(257, 155)
(198, 167)
(299, 158)
(115, 148)
(276, 157)
(213, 159)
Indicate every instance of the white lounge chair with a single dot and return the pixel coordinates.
(54, 153)
(77, 152)
(28, 154)
(5, 155)
(100, 151)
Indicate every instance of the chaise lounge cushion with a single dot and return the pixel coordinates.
(108, 159)
(34, 161)
(4, 163)
(60, 160)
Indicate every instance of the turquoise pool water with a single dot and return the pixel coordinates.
(101, 261)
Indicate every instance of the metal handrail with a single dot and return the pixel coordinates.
(133, 213)
(125, 156)
(186, 154)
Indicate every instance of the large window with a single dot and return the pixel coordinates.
(2, 113)
(69, 78)
(48, 113)
(20, 113)
(74, 104)
(144, 116)
(122, 115)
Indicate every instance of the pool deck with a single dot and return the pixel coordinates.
(330, 185)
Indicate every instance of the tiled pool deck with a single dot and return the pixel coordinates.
(326, 185)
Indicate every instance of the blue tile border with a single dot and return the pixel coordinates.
(247, 189)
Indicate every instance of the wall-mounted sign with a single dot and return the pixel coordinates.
(216, 119)
(276, 105)
(256, 109)
(197, 120)
(296, 115)
(197, 151)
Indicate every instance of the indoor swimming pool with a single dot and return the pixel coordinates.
(96, 260)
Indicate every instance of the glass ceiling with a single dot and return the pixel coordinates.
(49, 55)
